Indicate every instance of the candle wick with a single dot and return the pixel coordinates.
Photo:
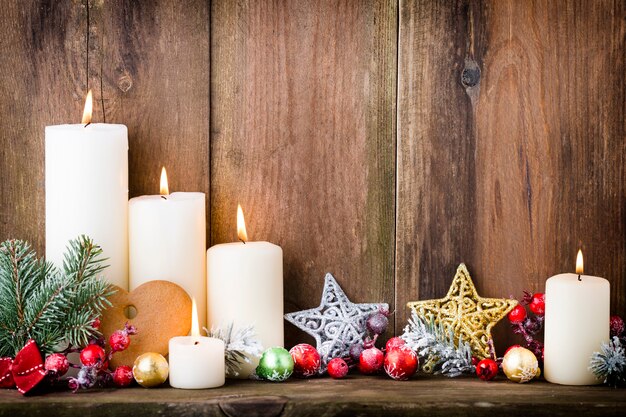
(163, 197)
(579, 278)
(243, 241)
(87, 124)
(196, 342)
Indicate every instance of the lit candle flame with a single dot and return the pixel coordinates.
(164, 188)
(88, 109)
(195, 327)
(579, 262)
(241, 225)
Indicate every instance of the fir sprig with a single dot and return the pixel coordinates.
(436, 348)
(54, 307)
(239, 345)
(609, 365)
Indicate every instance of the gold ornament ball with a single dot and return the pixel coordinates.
(520, 365)
(150, 369)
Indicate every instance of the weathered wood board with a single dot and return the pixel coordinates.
(356, 395)
(302, 135)
(511, 145)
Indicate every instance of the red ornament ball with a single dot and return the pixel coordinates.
(487, 369)
(517, 315)
(371, 360)
(337, 368)
(401, 363)
(616, 325)
(57, 364)
(92, 355)
(306, 360)
(538, 304)
(123, 376)
(119, 340)
(394, 343)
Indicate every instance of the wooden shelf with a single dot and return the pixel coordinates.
(356, 395)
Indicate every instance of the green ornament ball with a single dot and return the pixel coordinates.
(276, 365)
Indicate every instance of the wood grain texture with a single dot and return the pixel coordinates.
(543, 167)
(153, 61)
(355, 395)
(43, 78)
(303, 126)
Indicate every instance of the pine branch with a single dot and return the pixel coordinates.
(609, 364)
(239, 346)
(436, 347)
(56, 308)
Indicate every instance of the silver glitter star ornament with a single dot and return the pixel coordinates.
(336, 324)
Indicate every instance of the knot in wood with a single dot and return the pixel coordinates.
(124, 83)
(470, 76)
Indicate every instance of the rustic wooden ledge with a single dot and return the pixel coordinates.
(357, 395)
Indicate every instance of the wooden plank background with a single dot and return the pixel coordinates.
(383, 141)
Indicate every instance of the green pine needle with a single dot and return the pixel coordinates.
(54, 307)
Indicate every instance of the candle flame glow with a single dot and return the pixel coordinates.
(195, 327)
(579, 262)
(164, 188)
(88, 109)
(241, 225)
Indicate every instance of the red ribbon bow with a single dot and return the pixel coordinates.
(25, 371)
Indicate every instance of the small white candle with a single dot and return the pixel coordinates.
(576, 324)
(87, 191)
(196, 362)
(245, 287)
(167, 235)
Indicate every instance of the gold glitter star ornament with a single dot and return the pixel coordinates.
(465, 313)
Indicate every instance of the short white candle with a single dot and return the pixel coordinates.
(196, 362)
(576, 324)
(87, 191)
(245, 287)
(167, 235)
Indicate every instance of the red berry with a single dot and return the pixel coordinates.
(96, 323)
(371, 360)
(119, 340)
(123, 376)
(394, 343)
(475, 360)
(616, 324)
(487, 369)
(92, 355)
(306, 360)
(377, 323)
(401, 363)
(337, 368)
(57, 364)
(517, 315)
(538, 304)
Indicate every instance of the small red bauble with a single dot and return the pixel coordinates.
(371, 360)
(92, 355)
(123, 376)
(616, 325)
(538, 304)
(119, 340)
(337, 368)
(394, 343)
(401, 363)
(517, 315)
(306, 360)
(487, 369)
(57, 364)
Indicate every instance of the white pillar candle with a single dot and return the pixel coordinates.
(576, 324)
(87, 191)
(245, 287)
(167, 235)
(196, 362)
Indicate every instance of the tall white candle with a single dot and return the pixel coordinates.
(245, 287)
(167, 235)
(87, 191)
(576, 324)
(196, 362)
